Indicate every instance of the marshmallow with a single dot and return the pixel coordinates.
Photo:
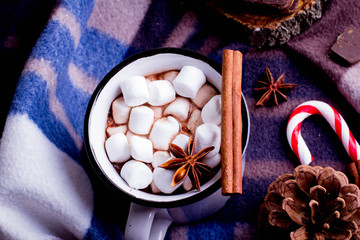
(187, 185)
(162, 178)
(135, 91)
(158, 112)
(141, 120)
(141, 149)
(194, 120)
(163, 131)
(207, 135)
(171, 75)
(154, 188)
(211, 112)
(205, 93)
(116, 129)
(179, 108)
(182, 141)
(151, 77)
(129, 134)
(189, 81)
(160, 157)
(161, 92)
(120, 110)
(117, 148)
(136, 174)
(212, 161)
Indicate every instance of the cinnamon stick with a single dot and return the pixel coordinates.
(237, 123)
(357, 163)
(357, 177)
(231, 126)
(226, 146)
(354, 172)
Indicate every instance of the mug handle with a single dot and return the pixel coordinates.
(146, 223)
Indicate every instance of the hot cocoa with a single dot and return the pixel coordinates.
(156, 110)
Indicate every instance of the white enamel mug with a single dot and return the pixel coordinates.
(151, 214)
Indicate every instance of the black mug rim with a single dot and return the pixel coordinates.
(88, 150)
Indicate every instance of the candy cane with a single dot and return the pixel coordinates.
(336, 121)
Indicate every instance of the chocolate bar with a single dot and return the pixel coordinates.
(347, 46)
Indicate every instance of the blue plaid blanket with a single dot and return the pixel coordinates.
(46, 190)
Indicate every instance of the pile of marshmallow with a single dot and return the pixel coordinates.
(150, 114)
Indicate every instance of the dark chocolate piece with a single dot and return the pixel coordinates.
(347, 45)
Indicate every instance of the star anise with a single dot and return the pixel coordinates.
(274, 88)
(187, 163)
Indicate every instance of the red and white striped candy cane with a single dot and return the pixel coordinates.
(336, 121)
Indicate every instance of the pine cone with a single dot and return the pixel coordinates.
(314, 203)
